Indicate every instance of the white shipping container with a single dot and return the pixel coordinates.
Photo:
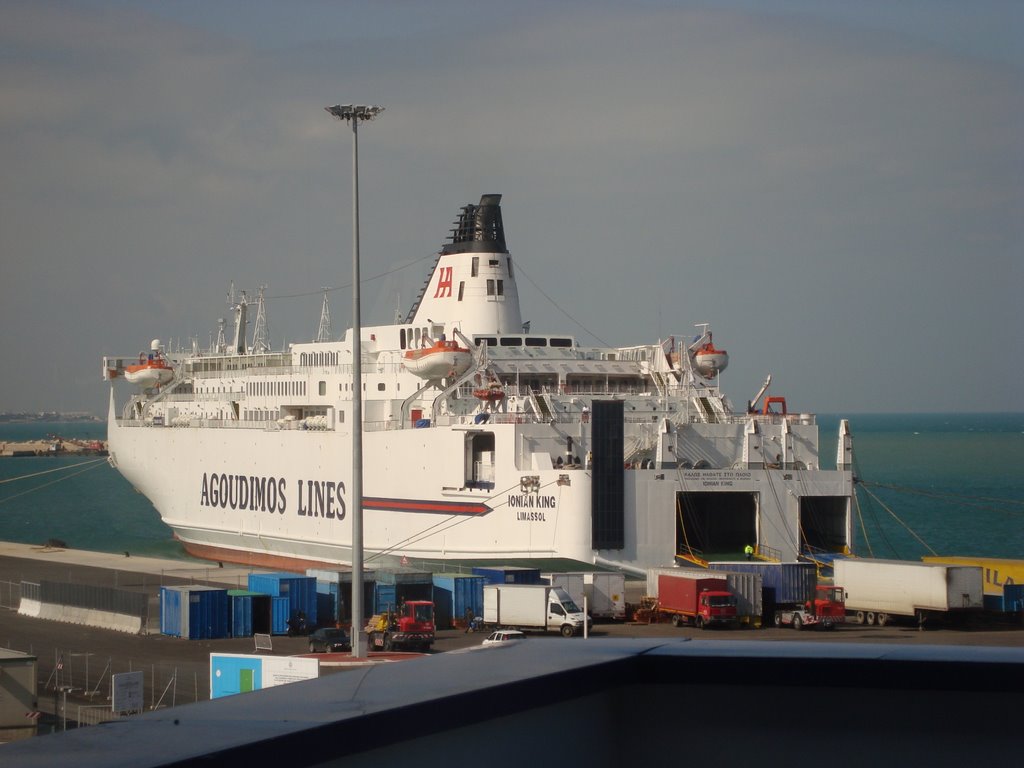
(901, 587)
(606, 594)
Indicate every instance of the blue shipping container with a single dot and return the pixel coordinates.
(454, 594)
(300, 590)
(384, 597)
(280, 612)
(170, 612)
(208, 613)
(791, 582)
(339, 585)
(507, 574)
(248, 613)
(194, 613)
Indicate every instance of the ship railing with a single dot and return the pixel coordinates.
(205, 423)
(204, 397)
(775, 419)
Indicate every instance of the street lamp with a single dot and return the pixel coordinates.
(354, 114)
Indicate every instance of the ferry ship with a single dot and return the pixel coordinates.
(482, 440)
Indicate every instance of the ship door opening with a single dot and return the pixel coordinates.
(480, 460)
(823, 524)
(715, 525)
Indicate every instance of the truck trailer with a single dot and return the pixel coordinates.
(879, 590)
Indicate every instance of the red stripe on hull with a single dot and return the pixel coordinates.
(439, 507)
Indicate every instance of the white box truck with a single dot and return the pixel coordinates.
(878, 590)
(532, 607)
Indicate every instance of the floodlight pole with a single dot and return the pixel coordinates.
(352, 113)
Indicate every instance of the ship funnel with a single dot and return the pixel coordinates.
(472, 286)
(479, 228)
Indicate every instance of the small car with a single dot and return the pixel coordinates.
(329, 640)
(504, 636)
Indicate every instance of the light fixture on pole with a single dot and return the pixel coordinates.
(353, 114)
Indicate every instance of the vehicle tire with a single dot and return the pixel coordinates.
(798, 623)
(882, 619)
(312, 648)
(388, 645)
(700, 623)
(860, 617)
(567, 630)
(870, 618)
(676, 621)
(778, 618)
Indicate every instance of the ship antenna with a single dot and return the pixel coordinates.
(323, 333)
(222, 342)
(354, 114)
(261, 333)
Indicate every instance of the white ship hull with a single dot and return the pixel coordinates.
(594, 455)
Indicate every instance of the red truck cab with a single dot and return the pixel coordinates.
(411, 627)
(830, 601)
(717, 607)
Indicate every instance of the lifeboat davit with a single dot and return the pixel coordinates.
(151, 371)
(441, 359)
(710, 360)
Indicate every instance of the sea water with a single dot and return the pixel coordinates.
(948, 484)
(80, 500)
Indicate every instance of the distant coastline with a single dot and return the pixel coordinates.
(21, 417)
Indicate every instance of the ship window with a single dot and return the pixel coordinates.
(323, 387)
(561, 342)
(493, 262)
(490, 287)
(501, 287)
(489, 341)
(533, 341)
(401, 338)
(476, 266)
(380, 387)
(509, 260)
(462, 288)
(511, 341)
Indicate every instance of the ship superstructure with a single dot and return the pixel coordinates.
(482, 440)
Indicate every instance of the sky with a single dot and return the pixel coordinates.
(837, 188)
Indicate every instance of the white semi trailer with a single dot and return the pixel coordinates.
(878, 590)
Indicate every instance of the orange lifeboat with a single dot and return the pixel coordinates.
(151, 371)
(710, 360)
(492, 393)
(442, 358)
